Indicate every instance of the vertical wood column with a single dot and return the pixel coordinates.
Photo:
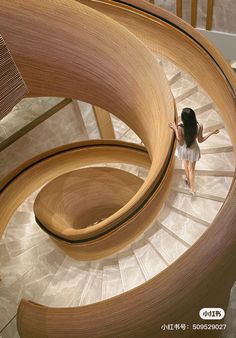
(82, 127)
(104, 123)
(179, 8)
(209, 19)
(194, 13)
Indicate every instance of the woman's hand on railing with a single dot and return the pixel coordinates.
(173, 126)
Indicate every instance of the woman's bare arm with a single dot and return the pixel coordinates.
(202, 138)
(178, 132)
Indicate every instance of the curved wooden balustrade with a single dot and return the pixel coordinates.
(47, 166)
(204, 275)
(84, 197)
(94, 77)
(168, 35)
(80, 200)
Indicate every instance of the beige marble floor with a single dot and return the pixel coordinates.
(25, 112)
(61, 128)
(89, 120)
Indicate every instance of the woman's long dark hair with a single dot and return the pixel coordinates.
(189, 120)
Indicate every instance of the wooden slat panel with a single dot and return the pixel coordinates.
(179, 8)
(104, 123)
(12, 86)
(14, 137)
(194, 13)
(210, 4)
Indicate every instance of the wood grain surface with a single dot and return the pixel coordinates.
(183, 45)
(67, 52)
(203, 276)
(12, 85)
(82, 198)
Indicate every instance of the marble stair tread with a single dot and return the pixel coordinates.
(176, 236)
(38, 278)
(34, 282)
(131, 272)
(209, 117)
(199, 194)
(142, 173)
(218, 140)
(30, 285)
(185, 228)
(183, 88)
(188, 215)
(130, 168)
(169, 68)
(196, 101)
(133, 169)
(216, 186)
(110, 165)
(69, 279)
(16, 247)
(217, 125)
(4, 253)
(119, 126)
(27, 205)
(217, 150)
(174, 77)
(130, 136)
(11, 250)
(17, 266)
(208, 173)
(148, 258)
(8, 307)
(10, 330)
(168, 246)
(25, 112)
(201, 208)
(4, 134)
(112, 282)
(21, 225)
(223, 161)
(92, 291)
(213, 162)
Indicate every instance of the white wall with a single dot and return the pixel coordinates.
(225, 42)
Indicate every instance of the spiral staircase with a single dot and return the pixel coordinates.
(147, 272)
